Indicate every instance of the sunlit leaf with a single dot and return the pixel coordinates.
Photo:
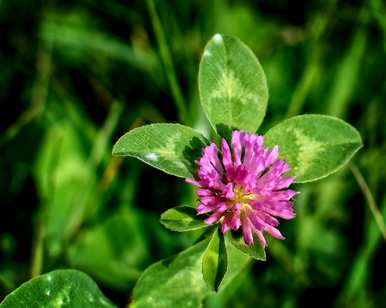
(232, 84)
(172, 148)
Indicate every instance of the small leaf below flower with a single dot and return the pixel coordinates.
(178, 281)
(215, 261)
(181, 219)
(254, 250)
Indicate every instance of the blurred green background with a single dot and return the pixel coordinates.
(75, 75)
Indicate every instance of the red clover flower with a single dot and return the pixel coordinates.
(245, 188)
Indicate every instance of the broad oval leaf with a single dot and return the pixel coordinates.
(254, 250)
(314, 145)
(232, 84)
(215, 261)
(182, 218)
(61, 288)
(173, 282)
(172, 148)
(178, 281)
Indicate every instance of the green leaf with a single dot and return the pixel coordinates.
(182, 218)
(232, 84)
(178, 280)
(172, 148)
(61, 288)
(254, 250)
(314, 145)
(237, 261)
(114, 252)
(215, 261)
(173, 282)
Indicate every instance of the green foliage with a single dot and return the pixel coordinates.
(215, 261)
(232, 84)
(254, 251)
(176, 281)
(233, 93)
(171, 148)
(80, 36)
(182, 218)
(113, 251)
(314, 145)
(67, 203)
(61, 288)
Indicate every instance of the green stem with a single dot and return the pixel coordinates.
(39, 97)
(39, 94)
(369, 198)
(167, 61)
(37, 250)
(304, 87)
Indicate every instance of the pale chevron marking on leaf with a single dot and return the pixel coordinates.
(229, 86)
(309, 149)
(232, 85)
(168, 151)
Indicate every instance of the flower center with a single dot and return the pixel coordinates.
(241, 197)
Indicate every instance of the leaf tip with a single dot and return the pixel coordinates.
(218, 38)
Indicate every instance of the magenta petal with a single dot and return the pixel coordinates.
(272, 155)
(226, 154)
(235, 223)
(204, 193)
(247, 231)
(228, 191)
(212, 219)
(211, 153)
(283, 195)
(237, 146)
(202, 209)
(274, 232)
(193, 182)
(225, 224)
(284, 213)
(284, 182)
(261, 238)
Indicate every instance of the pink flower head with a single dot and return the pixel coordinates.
(244, 188)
